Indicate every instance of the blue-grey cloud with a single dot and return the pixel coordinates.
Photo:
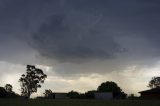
(74, 36)
(69, 30)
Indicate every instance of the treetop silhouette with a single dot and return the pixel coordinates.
(31, 81)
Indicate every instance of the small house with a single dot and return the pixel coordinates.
(151, 94)
(103, 95)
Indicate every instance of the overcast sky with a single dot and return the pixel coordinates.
(81, 43)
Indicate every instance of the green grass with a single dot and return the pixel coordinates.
(14, 102)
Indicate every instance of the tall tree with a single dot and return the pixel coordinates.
(8, 88)
(154, 82)
(31, 81)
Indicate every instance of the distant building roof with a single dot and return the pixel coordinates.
(154, 90)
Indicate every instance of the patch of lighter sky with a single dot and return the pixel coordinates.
(131, 80)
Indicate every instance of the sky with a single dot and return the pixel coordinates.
(81, 43)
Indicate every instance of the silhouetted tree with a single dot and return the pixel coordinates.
(73, 95)
(8, 93)
(48, 94)
(110, 86)
(3, 93)
(123, 95)
(90, 94)
(31, 80)
(154, 82)
(8, 88)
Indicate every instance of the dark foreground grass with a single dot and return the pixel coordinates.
(16, 102)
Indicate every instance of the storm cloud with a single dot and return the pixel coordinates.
(77, 42)
(103, 36)
(76, 36)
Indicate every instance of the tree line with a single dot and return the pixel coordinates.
(35, 77)
(107, 86)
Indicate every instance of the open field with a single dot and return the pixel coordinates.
(15, 102)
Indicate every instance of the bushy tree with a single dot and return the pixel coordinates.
(110, 86)
(6, 92)
(8, 88)
(48, 94)
(90, 94)
(154, 82)
(31, 81)
(3, 92)
(73, 95)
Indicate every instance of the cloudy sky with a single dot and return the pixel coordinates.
(81, 43)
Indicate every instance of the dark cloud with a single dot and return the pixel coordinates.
(80, 30)
(86, 30)
(73, 37)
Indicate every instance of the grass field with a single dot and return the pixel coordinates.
(12, 102)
